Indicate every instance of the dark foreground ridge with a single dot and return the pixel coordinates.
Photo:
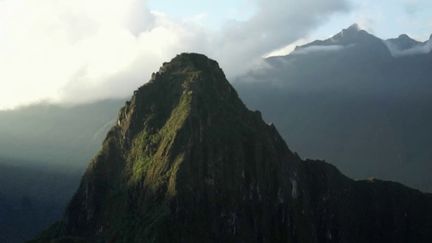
(188, 162)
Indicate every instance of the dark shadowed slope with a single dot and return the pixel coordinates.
(188, 162)
(31, 199)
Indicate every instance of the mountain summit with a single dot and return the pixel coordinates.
(353, 35)
(188, 162)
(404, 42)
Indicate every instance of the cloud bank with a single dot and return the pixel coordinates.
(313, 49)
(80, 51)
(420, 49)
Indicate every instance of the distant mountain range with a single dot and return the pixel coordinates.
(353, 101)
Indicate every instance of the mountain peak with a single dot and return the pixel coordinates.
(185, 158)
(403, 42)
(353, 35)
(354, 27)
(179, 85)
(190, 61)
(190, 68)
(404, 37)
(188, 162)
(353, 31)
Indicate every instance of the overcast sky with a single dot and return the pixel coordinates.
(77, 51)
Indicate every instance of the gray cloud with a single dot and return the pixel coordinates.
(241, 44)
(140, 19)
(275, 24)
(422, 48)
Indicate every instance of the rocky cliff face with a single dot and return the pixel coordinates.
(188, 162)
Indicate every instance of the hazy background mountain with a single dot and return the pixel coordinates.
(44, 149)
(350, 101)
(54, 135)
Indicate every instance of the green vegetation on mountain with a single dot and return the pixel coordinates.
(188, 162)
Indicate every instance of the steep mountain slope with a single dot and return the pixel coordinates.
(357, 105)
(188, 162)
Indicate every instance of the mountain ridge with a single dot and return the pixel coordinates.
(374, 106)
(354, 35)
(188, 162)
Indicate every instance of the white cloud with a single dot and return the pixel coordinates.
(78, 50)
(313, 49)
(289, 48)
(69, 51)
